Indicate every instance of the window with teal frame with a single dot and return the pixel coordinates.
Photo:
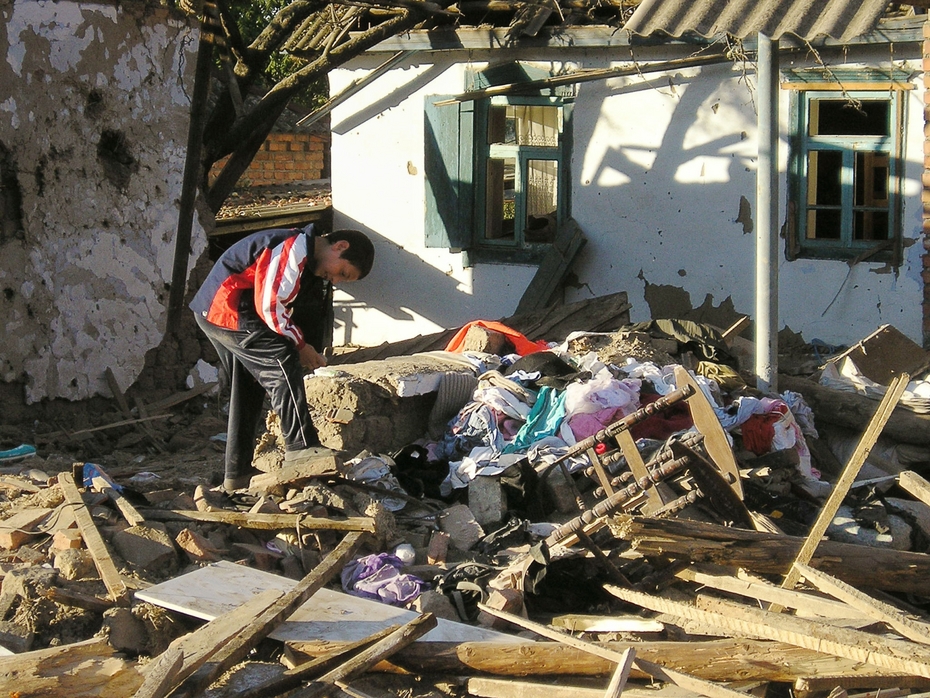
(520, 189)
(846, 170)
(496, 169)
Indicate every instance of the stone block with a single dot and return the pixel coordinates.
(845, 529)
(75, 563)
(438, 548)
(437, 603)
(507, 600)
(459, 523)
(124, 631)
(298, 473)
(559, 493)
(146, 547)
(198, 548)
(487, 500)
(915, 512)
(15, 638)
(28, 582)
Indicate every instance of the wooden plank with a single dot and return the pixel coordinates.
(603, 314)
(818, 685)
(691, 683)
(847, 477)
(370, 656)
(915, 485)
(197, 647)
(18, 483)
(115, 585)
(552, 270)
(262, 624)
(19, 528)
(873, 608)
(734, 329)
(805, 604)
(328, 618)
(87, 668)
(893, 655)
(854, 411)
(264, 522)
(767, 553)
(621, 674)
(487, 687)
(885, 354)
(128, 511)
(716, 442)
(634, 459)
(161, 674)
(715, 660)
(294, 677)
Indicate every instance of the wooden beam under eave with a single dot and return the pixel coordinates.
(554, 267)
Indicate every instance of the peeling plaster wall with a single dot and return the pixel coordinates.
(663, 185)
(94, 107)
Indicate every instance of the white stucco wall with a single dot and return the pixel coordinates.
(659, 167)
(94, 105)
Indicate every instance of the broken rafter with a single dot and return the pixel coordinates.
(264, 522)
(691, 683)
(584, 76)
(804, 602)
(743, 621)
(769, 553)
(847, 477)
(872, 608)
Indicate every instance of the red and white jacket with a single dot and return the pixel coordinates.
(255, 282)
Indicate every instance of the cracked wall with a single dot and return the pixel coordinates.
(94, 107)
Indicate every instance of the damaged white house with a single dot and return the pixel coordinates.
(653, 157)
(479, 159)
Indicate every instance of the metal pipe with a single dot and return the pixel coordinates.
(766, 329)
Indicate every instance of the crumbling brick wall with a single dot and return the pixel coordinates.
(94, 112)
(285, 158)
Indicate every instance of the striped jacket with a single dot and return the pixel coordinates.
(256, 281)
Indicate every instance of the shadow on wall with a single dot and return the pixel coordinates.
(404, 288)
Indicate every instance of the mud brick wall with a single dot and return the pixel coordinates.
(925, 274)
(369, 417)
(285, 158)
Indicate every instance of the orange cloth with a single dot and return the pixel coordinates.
(521, 344)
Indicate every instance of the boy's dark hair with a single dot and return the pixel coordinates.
(361, 253)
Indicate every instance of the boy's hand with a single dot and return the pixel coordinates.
(311, 358)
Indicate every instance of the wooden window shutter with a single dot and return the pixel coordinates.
(449, 166)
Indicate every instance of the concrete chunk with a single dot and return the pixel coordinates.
(146, 547)
(487, 500)
(459, 523)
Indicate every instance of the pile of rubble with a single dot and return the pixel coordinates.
(603, 513)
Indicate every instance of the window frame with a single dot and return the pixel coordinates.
(484, 152)
(866, 86)
(455, 138)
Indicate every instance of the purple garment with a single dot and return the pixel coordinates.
(585, 424)
(379, 577)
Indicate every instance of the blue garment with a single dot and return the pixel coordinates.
(544, 419)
